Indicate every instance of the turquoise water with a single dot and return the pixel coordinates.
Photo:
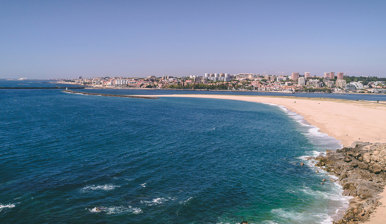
(67, 158)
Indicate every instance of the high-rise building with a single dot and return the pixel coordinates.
(301, 81)
(326, 75)
(295, 76)
(307, 75)
(332, 75)
(340, 75)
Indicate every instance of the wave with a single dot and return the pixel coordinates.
(106, 187)
(301, 217)
(338, 202)
(317, 138)
(157, 201)
(116, 210)
(334, 196)
(143, 185)
(6, 206)
(184, 202)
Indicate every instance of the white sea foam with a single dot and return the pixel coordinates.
(143, 185)
(317, 138)
(338, 203)
(157, 201)
(334, 195)
(268, 222)
(290, 216)
(105, 187)
(6, 206)
(184, 202)
(115, 210)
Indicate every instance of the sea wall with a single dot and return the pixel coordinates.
(361, 170)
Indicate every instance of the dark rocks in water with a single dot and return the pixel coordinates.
(361, 170)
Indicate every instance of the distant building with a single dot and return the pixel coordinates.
(326, 75)
(315, 83)
(354, 86)
(341, 83)
(307, 75)
(330, 84)
(301, 81)
(295, 76)
(340, 75)
(332, 75)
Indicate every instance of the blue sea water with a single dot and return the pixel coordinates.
(31, 83)
(68, 158)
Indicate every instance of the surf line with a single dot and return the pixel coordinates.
(110, 95)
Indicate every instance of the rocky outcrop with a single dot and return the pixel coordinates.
(361, 170)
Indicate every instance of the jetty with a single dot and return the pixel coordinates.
(110, 95)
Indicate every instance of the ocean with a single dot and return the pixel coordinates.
(68, 158)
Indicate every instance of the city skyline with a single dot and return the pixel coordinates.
(49, 39)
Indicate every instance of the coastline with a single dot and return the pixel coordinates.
(344, 120)
(219, 90)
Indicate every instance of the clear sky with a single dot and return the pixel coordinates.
(60, 39)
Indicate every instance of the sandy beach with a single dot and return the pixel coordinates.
(347, 121)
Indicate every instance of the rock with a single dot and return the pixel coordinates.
(361, 172)
(357, 155)
(376, 169)
(363, 166)
(367, 157)
(301, 164)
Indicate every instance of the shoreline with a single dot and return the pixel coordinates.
(221, 90)
(110, 95)
(361, 121)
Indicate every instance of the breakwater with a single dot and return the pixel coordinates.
(110, 95)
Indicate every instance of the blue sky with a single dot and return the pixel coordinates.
(52, 39)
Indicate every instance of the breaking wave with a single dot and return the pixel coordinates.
(116, 210)
(6, 206)
(106, 187)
